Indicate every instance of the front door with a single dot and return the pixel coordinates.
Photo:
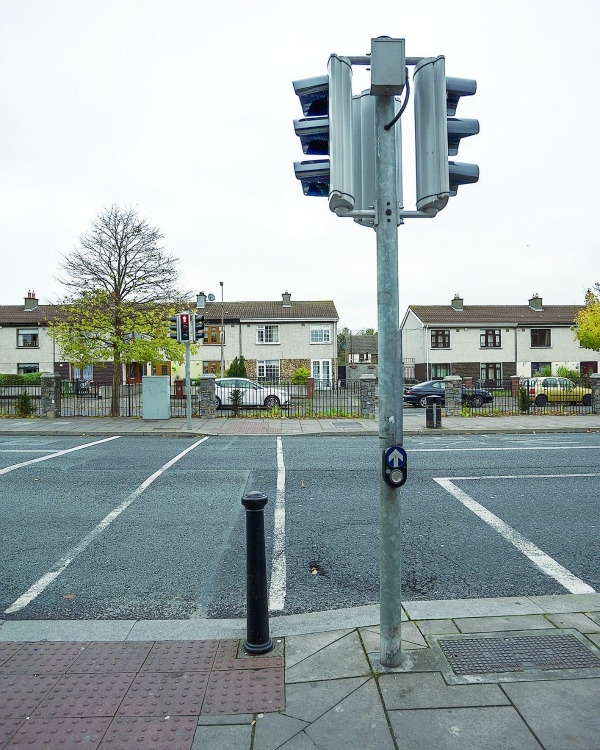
(135, 370)
(321, 372)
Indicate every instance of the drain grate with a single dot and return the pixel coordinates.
(517, 654)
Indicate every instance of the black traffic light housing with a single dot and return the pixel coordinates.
(199, 327)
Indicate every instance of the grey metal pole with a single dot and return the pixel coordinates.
(390, 379)
(222, 335)
(188, 386)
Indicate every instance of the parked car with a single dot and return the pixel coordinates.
(561, 390)
(253, 394)
(417, 394)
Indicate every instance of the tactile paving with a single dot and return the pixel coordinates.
(165, 693)
(517, 654)
(181, 656)
(244, 691)
(108, 656)
(150, 733)
(7, 650)
(21, 694)
(44, 657)
(85, 695)
(60, 734)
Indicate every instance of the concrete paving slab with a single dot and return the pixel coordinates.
(460, 728)
(594, 638)
(272, 730)
(436, 627)
(564, 714)
(186, 630)
(238, 736)
(66, 630)
(343, 658)
(410, 690)
(595, 616)
(357, 723)
(410, 634)
(497, 624)
(567, 603)
(309, 700)
(576, 620)
(298, 648)
(449, 609)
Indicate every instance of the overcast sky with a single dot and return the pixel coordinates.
(184, 109)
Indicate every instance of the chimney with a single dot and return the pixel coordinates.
(287, 299)
(201, 300)
(457, 302)
(535, 303)
(31, 301)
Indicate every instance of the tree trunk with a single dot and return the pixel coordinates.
(115, 402)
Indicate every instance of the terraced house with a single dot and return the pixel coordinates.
(491, 343)
(274, 337)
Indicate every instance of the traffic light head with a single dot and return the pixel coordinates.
(184, 326)
(438, 133)
(174, 327)
(198, 327)
(326, 130)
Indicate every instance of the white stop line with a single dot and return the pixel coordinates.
(544, 562)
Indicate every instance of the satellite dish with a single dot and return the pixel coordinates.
(211, 297)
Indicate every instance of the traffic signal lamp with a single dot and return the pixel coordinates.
(326, 130)
(438, 133)
(174, 327)
(184, 327)
(198, 327)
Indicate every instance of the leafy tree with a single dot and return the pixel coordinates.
(343, 343)
(237, 369)
(587, 321)
(121, 290)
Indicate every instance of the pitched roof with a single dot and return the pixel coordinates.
(511, 315)
(364, 343)
(254, 311)
(260, 311)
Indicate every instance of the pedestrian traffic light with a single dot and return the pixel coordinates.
(326, 130)
(198, 327)
(438, 133)
(174, 327)
(184, 327)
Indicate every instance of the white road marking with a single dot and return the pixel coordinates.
(544, 562)
(61, 565)
(528, 476)
(56, 453)
(510, 448)
(277, 587)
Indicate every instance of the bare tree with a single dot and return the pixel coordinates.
(121, 290)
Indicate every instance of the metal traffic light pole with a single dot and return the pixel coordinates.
(390, 379)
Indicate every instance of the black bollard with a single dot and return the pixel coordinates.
(257, 604)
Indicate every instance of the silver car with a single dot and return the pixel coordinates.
(253, 394)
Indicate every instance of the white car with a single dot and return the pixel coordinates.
(253, 394)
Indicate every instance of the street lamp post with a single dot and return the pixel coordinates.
(222, 332)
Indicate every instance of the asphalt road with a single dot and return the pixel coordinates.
(153, 528)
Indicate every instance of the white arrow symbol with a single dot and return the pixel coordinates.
(395, 459)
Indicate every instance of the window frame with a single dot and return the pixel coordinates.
(34, 332)
(537, 331)
(320, 328)
(262, 329)
(437, 335)
(490, 334)
(268, 370)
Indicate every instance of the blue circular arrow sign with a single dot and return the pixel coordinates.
(395, 457)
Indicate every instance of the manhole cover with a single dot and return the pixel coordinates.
(517, 654)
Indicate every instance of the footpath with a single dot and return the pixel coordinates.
(478, 674)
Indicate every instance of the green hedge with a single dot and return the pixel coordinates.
(30, 378)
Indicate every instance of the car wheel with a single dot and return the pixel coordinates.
(423, 402)
(477, 401)
(217, 402)
(587, 399)
(541, 400)
(271, 402)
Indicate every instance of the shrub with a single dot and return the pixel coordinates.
(10, 379)
(237, 401)
(24, 406)
(523, 400)
(237, 369)
(300, 376)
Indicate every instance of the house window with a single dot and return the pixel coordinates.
(24, 368)
(212, 335)
(538, 367)
(27, 337)
(440, 370)
(320, 334)
(268, 369)
(267, 334)
(490, 337)
(491, 373)
(540, 337)
(211, 368)
(440, 338)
